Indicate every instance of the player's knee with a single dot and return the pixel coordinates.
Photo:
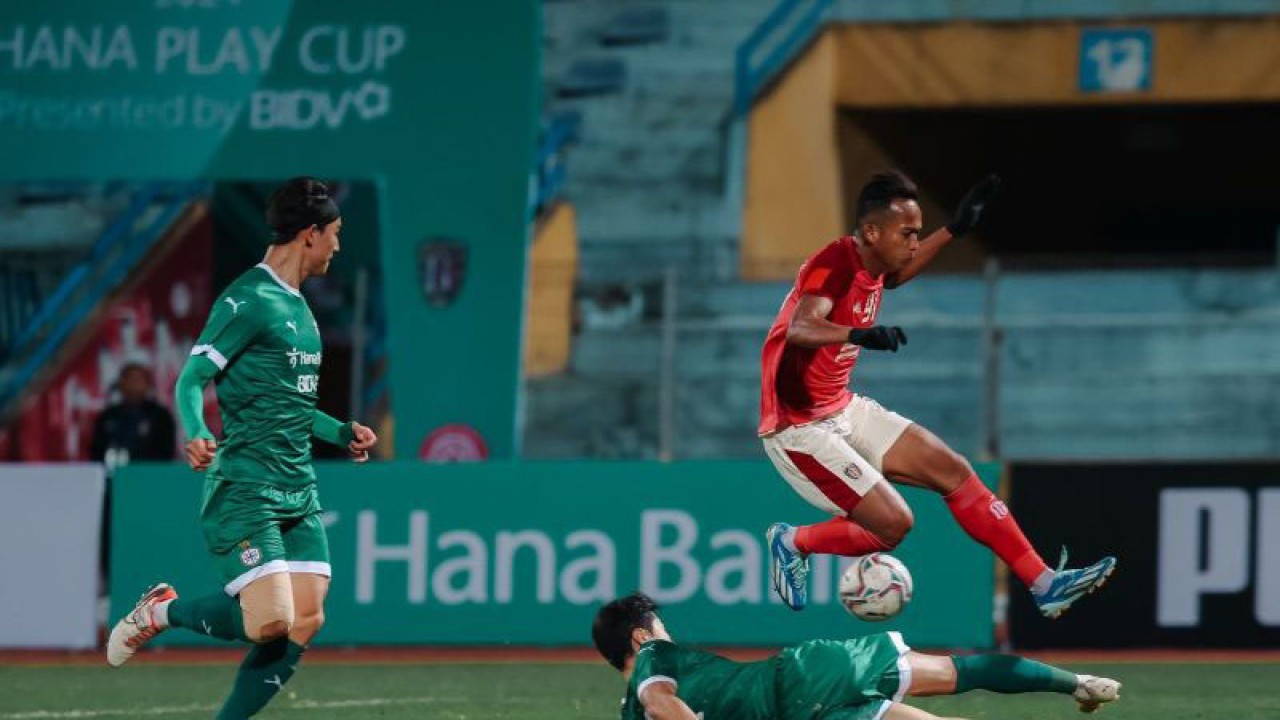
(307, 626)
(896, 526)
(268, 609)
(948, 470)
(273, 630)
(267, 626)
(310, 623)
(958, 469)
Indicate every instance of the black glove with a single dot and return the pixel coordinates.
(880, 337)
(969, 211)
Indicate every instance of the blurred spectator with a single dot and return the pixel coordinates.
(611, 307)
(136, 427)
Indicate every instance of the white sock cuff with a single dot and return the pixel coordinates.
(1042, 583)
(789, 540)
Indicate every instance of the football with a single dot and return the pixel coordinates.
(876, 587)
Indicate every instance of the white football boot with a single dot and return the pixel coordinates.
(137, 628)
(1093, 692)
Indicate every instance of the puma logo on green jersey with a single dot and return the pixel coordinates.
(235, 306)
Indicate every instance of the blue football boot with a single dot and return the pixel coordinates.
(789, 568)
(1069, 586)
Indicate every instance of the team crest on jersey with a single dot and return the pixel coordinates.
(852, 472)
(250, 556)
(442, 268)
(999, 510)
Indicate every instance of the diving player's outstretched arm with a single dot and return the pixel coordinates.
(661, 703)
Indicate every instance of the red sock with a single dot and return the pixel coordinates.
(838, 536)
(988, 521)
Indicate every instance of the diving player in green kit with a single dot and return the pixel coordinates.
(861, 679)
(261, 516)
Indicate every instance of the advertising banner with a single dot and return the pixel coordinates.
(506, 553)
(1198, 550)
(50, 530)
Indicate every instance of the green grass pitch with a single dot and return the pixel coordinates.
(518, 691)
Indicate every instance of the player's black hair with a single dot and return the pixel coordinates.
(881, 191)
(611, 632)
(297, 205)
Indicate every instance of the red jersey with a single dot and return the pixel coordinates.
(799, 385)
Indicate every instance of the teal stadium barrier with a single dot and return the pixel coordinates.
(504, 553)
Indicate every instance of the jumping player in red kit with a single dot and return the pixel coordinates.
(836, 448)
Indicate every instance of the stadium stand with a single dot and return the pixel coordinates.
(652, 189)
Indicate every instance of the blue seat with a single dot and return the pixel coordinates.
(593, 77)
(637, 26)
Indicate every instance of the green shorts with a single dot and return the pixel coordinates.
(844, 679)
(257, 529)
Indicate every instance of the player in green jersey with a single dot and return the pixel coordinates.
(260, 515)
(861, 679)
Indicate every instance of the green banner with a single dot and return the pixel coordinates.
(436, 101)
(523, 553)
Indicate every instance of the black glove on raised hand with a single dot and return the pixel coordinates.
(880, 337)
(969, 211)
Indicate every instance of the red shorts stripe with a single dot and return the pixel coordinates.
(836, 490)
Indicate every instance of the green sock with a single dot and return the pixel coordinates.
(1010, 674)
(263, 673)
(216, 615)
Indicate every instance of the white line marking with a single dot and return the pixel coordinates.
(42, 714)
(278, 706)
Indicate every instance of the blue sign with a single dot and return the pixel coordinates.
(1116, 60)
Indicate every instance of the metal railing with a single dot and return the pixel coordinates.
(793, 23)
(551, 172)
(786, 29)
(1023, 10)
(997, 366)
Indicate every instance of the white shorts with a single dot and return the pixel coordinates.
(834, 463)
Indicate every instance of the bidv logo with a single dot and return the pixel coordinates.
(306, 109)
(329, 51)
(442, 268)
(1217, 540)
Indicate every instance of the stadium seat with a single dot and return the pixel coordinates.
(593, 77)
(637, 26)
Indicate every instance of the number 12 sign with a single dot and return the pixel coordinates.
(1116, 60)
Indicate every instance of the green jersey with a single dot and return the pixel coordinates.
(817, 679)
(265, 341)
(712, 686)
